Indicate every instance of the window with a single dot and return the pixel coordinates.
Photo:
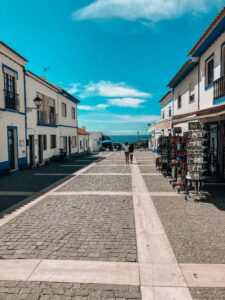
(191, 92)
(81, 145)
(73, 113)
(170, 112)
(63, 142)
(86, 144)
(64, 109)
(45, 147)
(223, 60)
(53, 141)
(74, 141)
(209, 71)
(163, 114)
(10, 91)
(179, 102)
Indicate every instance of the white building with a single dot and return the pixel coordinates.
(54, 125)
(13, 154)
(95, 139)
(83, 140)
(164, 125)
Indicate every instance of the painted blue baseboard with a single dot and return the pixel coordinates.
(4, 165)
(218, 101)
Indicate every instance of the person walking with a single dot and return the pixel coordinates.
(126, 150)
(131, 152)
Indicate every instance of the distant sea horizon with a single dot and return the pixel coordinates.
(127, 138)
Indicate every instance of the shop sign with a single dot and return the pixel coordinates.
(193, 125)
(177, 130)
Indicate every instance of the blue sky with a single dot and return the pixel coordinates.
(116, 56)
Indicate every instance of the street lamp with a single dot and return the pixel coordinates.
(37, 103)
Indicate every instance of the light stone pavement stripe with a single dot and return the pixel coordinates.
(9, 193)
(94, 272)
(87, 174)
(158, 265)
(9, 217)
(104, 193)
(87, 272)
(204, 275)
(106, 174)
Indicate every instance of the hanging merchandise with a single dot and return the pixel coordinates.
(197, 147)
(164, 152)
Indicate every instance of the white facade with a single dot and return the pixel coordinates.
(49, 129)
(83, 141)
(214, 52)
(95, 139)
(12, 110)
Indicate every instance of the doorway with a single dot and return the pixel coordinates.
(12, 148)
(31, 150)
(40, 149)
(70, 145)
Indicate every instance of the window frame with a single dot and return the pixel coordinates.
(64, 111)
(179, 100)
(170, 112)
(45, 142)
(207, 61)
(73, 113)
(55, 142)
(191, 92)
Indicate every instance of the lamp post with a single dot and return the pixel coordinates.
(37, 102)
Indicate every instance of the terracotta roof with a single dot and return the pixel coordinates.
(215, 22)
(13, 51)
(81, 131)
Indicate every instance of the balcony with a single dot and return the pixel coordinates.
(219, 88)
(47, 118)
(12, 100)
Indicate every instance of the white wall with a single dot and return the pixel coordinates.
(84, 139)
(9, 118)
(206, 95)
(183, 89)
(95, 141)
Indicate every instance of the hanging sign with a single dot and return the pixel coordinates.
(177, 130)
(193, 125)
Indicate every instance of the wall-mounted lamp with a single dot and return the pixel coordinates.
(37, 103)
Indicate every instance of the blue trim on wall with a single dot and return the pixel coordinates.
(68, 126)
(184, 74)
(12, 111)
(218, 101)
(215, 33)
(206, 61)
(9, 68)
(46, 125)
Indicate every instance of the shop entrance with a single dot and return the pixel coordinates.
(40, 149)
(12, 148)
(31, 150)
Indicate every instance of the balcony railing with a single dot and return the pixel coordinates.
(219, 88)
(46, 118)
(12, 100)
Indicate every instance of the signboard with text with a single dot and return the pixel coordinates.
(193, 125)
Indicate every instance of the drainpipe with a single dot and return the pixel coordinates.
(25, 109)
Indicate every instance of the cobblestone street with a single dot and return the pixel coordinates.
(111, 231)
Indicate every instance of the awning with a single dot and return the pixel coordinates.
(164, 125)
(184, 119)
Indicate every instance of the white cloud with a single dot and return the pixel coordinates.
(153, 10)
(119, 119)
(127, 132)
(102, 106)
(127, 102)
(109, 89)
(73, 88)
(86, 107)
(93, 108)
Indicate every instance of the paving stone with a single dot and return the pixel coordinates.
(157, 184)
(84, 291)
(99, 183)
(113, 169)
(207, 293)
(195, 230)
(73, 227)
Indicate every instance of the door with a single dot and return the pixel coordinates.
(40, 149)
(70, 145)
(31, 150)
(12, 147)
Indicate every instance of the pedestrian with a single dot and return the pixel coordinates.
(131, 152)
(126, 150)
